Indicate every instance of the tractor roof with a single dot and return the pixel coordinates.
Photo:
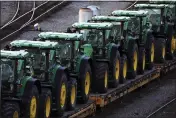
(130, 13)
(57, 35)
(13, 54)
(111, 18)
(85, 25)
(157, 6)
(34, 44)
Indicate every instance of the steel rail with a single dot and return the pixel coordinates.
(32, 21)
(162, 107)
(25, 14)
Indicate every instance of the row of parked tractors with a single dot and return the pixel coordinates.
(55, 71)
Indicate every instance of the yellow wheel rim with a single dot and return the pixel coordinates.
(163, 52)
(87, 83)
(48, 106)
(73, 94)
(173, 45)
(135, 60)
(106, 79)
(117, 69)
(143, 64)
(125, 69)
(152, 52)
(33, 107)
(63, 95)
(16, 115)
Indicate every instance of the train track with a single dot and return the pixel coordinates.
(19, 22)
(161, 108)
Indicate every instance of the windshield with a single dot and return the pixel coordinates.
(134, 24)
(7, 70)
(154, 16)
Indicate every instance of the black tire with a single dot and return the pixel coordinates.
(84, 83)
(123, 69)
(150, 50)
(132, 51)
(72, 94)
(102, 78)
(141, 61)
(160, 50)
(45, 103)
(114, 73)
(10, 110)
(60, 84)
(170, 43)
(31, 99)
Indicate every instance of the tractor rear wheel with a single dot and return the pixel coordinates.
(114, 70)
(141, 60)
(10, 110)
(123, 69)
(31, 101)
(45, 103)
(160, 50)
(59, 93)
(102, 78)
(72, 94)
(84, 83)
(132, 56)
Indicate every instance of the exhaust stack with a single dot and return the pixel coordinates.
(85, 14)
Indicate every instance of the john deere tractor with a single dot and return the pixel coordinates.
(53, 77)
(71, 55)
(125, 38)
(105, 54)
(139, 29)
(20, 91)
(162, 26)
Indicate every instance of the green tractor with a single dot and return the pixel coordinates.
(139, 29)
(124, 38)
(71, 55)
(104, 53)
(162, 26)
(53, 77)
(142, 28)
(20, 91)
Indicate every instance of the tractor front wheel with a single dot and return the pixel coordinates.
(10, 110)
(72, 94)
(45, 103)
(102, 78)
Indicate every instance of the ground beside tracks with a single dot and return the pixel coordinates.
(143, 102)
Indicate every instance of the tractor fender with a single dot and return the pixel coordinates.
(57, 71)
(29, 84)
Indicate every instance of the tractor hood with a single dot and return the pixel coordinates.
(154, 6)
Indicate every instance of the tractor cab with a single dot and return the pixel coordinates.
(138, 24)
(42, 56)
(96, 34)
(121, 25)
(69, 46)
(12, 70)
(159, 15)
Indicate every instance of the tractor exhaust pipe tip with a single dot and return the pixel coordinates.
(95, 9)
(85, 14)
